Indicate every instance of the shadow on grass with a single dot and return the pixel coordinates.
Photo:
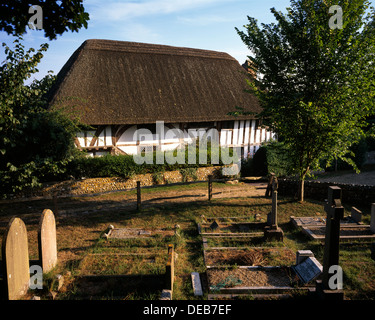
(129, 287)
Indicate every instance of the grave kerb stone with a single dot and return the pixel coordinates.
(197, 286)
(373, 251)
(372, 222)
(302, 255)
(356, 214)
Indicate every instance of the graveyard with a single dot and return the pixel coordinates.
(107, 247)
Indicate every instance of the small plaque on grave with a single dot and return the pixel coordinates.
(144, 232)
(197, 286)
(214, 225)
(309, 269)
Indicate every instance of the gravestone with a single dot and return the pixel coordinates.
(272, 216)
(272, 184)
(272, 231)
(47, 241)
(302, 255)
(309, 269)
(335, 212)
(15, 254)
(372, 222)
(356, 214)
(166, 295)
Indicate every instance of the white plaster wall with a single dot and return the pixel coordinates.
(244, 133)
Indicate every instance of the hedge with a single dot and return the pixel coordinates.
(126, 167)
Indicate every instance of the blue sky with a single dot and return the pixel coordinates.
(203, 24)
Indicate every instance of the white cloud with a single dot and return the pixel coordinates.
(114, 11)
(137, 32)
(204, 20)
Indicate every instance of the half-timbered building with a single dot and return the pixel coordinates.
(118, 87)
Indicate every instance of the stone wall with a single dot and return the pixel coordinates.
(351, 193)
(102, 185)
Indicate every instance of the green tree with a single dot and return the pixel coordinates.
(315, 83)
(35, 143)
(58, 16)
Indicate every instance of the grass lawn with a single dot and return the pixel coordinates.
(94, 267)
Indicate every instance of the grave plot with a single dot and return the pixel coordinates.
(346, 233)
(251, 256)
(126, 262)
(251, 280)
(249, 270)
(226, 227)
(127, 233)
(248, 265)
(320, 221)
(308, 221)
(123, 264)
(351, 227)
(250, 218)
(264, 280)
(247, 257)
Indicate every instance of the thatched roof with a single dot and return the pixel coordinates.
(117, 82)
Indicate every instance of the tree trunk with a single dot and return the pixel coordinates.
(301, 189)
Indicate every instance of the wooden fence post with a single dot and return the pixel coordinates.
(139, 200)
(55, 204)
(169, 273)
(210, 187)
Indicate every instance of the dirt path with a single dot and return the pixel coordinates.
(119, 200)
(363, 178)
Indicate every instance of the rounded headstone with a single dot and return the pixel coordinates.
(47, 241)
(15, 254)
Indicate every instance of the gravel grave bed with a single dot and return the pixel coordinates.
(110, 264)
(232, 227)
(347, 231)
(250, 277)
(250, 257)
(125, 233)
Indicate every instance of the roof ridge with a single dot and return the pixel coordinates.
(140, 47)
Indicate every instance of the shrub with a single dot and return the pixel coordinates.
(106, 166)
(247, 167)
(259, 162)
(271, 157)
(158, 177)
(357, 154)
(189, 173)
(278, 159)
